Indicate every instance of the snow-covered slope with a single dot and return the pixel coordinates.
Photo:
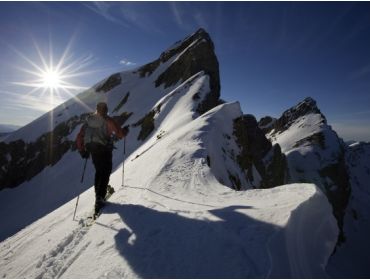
(173, 219)
(178, 215)
(35, 159)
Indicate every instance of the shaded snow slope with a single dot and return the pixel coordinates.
(144, 234)
(357, 219)
(173, 219)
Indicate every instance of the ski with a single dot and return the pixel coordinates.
(90, 220)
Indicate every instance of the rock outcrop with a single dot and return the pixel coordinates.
(257, 151)
(192, 55)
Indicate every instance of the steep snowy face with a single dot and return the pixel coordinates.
(45, 141)
(314, 153)
(45, 148)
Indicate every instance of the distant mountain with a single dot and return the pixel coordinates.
(209, 191)
(314, 153)
(7, 128)
(317, 155)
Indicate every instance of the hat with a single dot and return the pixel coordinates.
(102, 108)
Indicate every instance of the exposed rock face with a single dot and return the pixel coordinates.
(255, 147)
(307, 106)
(338, 190)
(122, 102)
(113, 81)
(197, 54)
(20, 161)
(356, 223)
(147, 125)
(266, 124)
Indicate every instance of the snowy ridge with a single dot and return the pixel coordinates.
(307, 256)
(174, 219)
(177, 215)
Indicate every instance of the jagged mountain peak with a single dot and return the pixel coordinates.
(199, 36)
(185, 59)
(307, 106)
(303, 108)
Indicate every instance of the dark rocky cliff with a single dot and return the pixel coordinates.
(195, 54)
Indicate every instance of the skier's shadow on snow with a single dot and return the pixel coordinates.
(169, 245)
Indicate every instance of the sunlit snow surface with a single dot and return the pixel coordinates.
(175, 217)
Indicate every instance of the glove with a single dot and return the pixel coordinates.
(84, 154)
(125, 130)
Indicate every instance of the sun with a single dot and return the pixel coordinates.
(52, 79)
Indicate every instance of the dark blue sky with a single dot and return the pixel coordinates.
(271, 54)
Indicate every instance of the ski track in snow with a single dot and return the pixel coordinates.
(56, 262)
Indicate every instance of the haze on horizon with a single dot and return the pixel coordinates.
(271, 55)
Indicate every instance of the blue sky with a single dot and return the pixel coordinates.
(271, 54)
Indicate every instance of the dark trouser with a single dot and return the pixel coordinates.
(102, 160)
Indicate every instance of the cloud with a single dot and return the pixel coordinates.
(176, 14)
(129, 14)
(105, 10)
(126, 62)
(22, 108)
(16, 101)
(188, 17)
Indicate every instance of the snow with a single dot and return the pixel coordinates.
(146, 234)
(176, 216)
(173, 218)
(306, 158)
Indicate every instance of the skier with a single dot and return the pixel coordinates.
(96, 138)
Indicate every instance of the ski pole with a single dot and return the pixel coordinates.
(83, 172)
(123, 163)
(78, 197)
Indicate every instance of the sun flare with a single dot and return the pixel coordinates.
(57, 81)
